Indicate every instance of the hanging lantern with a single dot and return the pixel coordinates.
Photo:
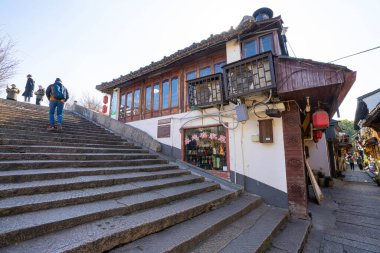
(105, 99)
(317, 135)
(104, 109)
(320, 119)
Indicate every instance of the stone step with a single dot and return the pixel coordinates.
(63, 134)
(67, 149)
(58, 139)
(82, 182)
(26, 226)
(184, 236)
(19, 176)
(67, 130)
(15, 141)
(74, 156)
(31, 203)
(41, 164)
(105, 234)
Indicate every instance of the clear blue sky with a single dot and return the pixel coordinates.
(86, 42)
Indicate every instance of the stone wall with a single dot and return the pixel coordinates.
(117, 127)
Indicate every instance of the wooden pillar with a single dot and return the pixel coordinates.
(294, 160)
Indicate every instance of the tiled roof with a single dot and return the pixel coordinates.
(213, 40)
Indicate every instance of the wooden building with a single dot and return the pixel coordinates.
(233, 104)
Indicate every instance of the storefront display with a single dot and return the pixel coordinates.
(206, 147)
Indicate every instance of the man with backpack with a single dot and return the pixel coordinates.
(57, 95)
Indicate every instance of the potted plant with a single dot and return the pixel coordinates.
(329, 182)
(321, 178)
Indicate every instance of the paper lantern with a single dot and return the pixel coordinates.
(320, 119)
(105, 99)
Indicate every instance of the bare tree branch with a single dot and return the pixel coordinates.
(91, 102)
(8, 62)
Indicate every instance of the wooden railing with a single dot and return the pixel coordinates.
(248, 76)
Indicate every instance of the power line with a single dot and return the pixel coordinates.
(355, 54)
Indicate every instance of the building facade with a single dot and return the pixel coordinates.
(234, 104)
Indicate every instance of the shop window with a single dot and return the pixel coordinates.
(165, 94)
(129, 104)
(218, 67)
(205, 71)
(174, 95)
(148, 95)
(122, 108)
(206, 147)
(136, 102)
(156, 97)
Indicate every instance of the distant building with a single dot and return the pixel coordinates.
(233, 104)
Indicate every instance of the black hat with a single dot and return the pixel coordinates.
(29, 75)
(58, 79)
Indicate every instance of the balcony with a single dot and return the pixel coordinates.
(205, 91)
(249, 76)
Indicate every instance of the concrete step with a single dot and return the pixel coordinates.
(105, 234)
(64, 134)
(67, 149)
(19, 176)
(58, 139)
(17, 141)
(25, 226)
(82, 182)
(74, 156)
(184, 236)
(48, 164)
(31, 203)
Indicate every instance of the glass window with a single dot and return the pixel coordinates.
(136, 102)
(174, 92)
(129, 104)
(148, 96)
(191, 75)
(156, 97)
(165, 94)
(205, 71)
(266, 43)
(122, 107)
(218, 67)
(250, 48)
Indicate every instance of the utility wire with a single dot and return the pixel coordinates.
(355, 54)
(291, 48)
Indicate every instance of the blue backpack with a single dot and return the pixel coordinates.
(59, 91)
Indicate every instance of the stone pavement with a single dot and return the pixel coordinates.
(348, 219)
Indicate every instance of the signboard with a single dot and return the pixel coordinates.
(115, 103)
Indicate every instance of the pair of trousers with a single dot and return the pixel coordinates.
(53, 104)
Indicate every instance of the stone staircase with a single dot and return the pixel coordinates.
(87, 190)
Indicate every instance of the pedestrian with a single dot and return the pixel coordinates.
(40, 93)
(359, 162)
(351, 161)
(29, 88)
(12, 92)
(57, 95)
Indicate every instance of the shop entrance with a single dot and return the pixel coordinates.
(206, 147)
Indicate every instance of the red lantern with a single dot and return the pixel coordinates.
(320, 119)
(317, 135)
(104, 109)
(105, 99)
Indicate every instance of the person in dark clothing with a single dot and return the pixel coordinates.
(359, 162)
(351, 161)
(29, 88)
(56, 89)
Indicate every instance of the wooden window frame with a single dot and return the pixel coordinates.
(258, 44)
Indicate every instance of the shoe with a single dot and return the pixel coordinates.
(59, 127)
(50, 128)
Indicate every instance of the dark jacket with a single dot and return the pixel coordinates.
(29, 88)
(40, 93)
(49, 93)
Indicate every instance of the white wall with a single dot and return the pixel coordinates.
(319, 159)
(233, 51)
(259, 161)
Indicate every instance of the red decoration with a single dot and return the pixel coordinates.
(105, 99)
(320, 119)
(317, 135)
(104, 109)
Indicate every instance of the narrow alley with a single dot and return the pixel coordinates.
(348, 219)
